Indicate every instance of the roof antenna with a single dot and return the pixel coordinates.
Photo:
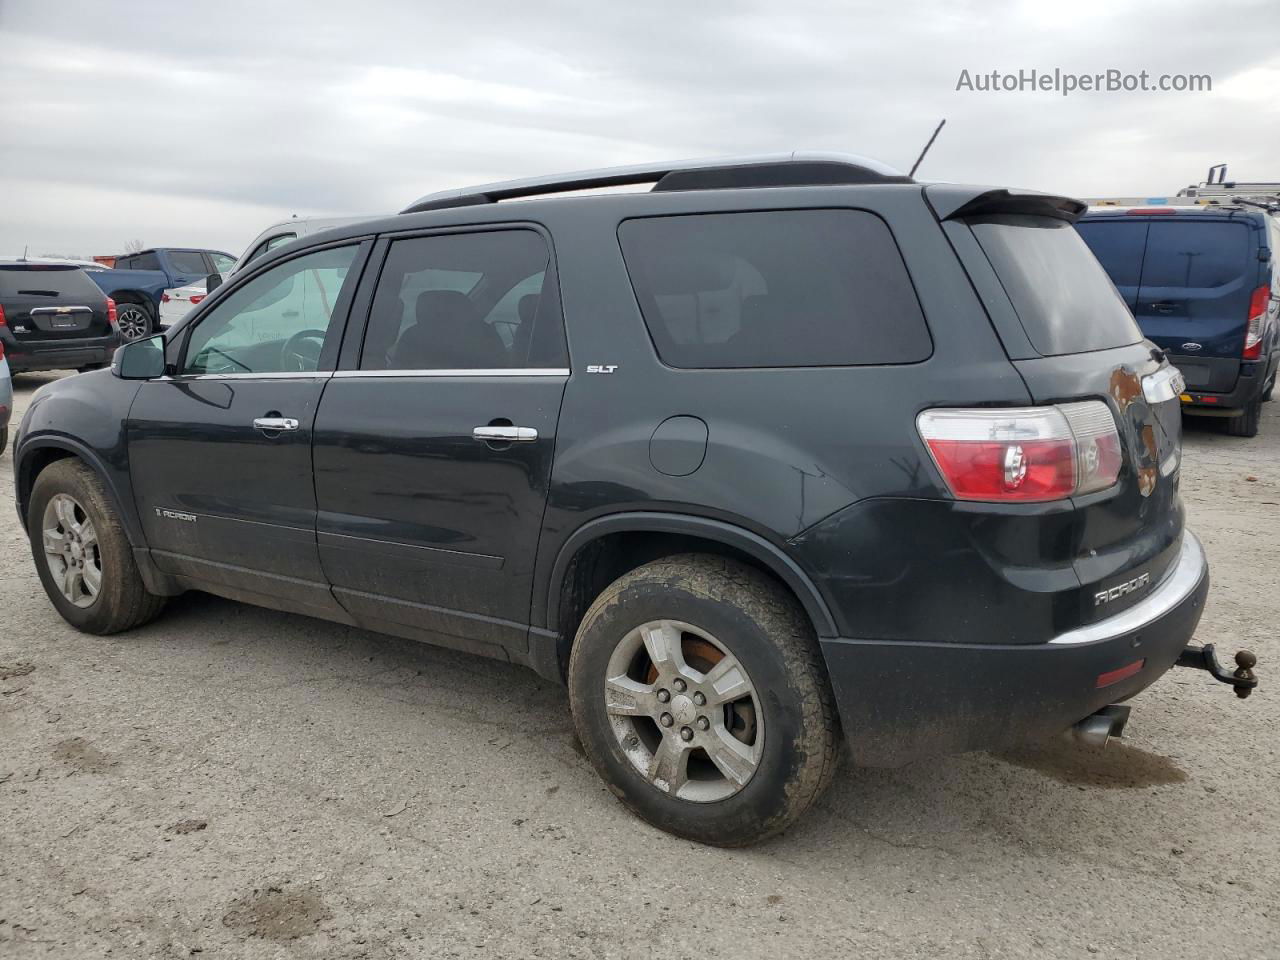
(915, 166)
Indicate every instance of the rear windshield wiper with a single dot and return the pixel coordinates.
(40, 293)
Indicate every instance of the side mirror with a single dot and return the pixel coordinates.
(139, 359)
(212, 282)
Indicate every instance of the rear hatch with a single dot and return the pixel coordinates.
(1072, 338)
(52, 302)
(1188, 277)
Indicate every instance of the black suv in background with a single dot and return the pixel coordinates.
(1203, 283)
(778, 448)
(53, 317)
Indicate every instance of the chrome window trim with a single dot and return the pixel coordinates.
(478, 372)
(282, 375)
(1176, 587)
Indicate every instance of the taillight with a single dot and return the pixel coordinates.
(1253, 329)
(164, 297)
(1151, 212)
(197, 297)
(2, 320)
(1024, 453)
(111, 311)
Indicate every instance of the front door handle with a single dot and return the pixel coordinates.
(274, 424)
(492, 434)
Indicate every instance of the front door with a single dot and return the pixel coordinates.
(433, 451)
(220, 452)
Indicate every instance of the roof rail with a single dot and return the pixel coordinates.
(768, 170)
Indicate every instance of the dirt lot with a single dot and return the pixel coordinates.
(232, 782)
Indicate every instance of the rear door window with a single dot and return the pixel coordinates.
(1118, 245)
(188, 261)
(1062, 295)
(467, 301)
(1195, 254)
(785, 288)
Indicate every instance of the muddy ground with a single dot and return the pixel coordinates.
(232, 782)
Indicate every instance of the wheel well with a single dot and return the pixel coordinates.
(32, 467)
(603, 560)
(133, 296)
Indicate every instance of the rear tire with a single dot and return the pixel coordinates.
(82, 554)
(751, 765)
(4, 439)
(134, 321)
(1271, 386)
(1246, 424)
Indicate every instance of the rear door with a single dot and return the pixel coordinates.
(1198, 274)
(1118, 243)
(52, 302)
(433, 444)
(1081, 344)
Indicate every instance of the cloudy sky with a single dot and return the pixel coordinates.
(190, 124)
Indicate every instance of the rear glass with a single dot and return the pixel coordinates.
(1118, 245)
(789, 288)
(47, 280)
(1199, 254)
(1065, 300)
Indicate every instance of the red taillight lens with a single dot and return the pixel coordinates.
(164, 297)
(1150, 212)
(1124, 673)
(111, 311)
(1253, 328)
(197, 297)
(2, 320)
(1024, 454)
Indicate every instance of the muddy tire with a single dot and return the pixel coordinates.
(706, 662)
(82, 554)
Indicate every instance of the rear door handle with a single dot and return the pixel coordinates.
(275, 424)
(1163, 306)
(504, 434)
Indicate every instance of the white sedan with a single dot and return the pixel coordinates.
(176, 302)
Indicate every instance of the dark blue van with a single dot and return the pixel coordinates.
(1203, 285)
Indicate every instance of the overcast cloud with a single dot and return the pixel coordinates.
(191, 124)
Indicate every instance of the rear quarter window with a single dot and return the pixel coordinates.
(1061, 293)
(790, 288)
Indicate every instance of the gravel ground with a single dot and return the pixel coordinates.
(233, 782)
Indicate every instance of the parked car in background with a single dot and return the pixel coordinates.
(286, 231)
(6, 399)
(836, 452)
(1203, 283)
(53, 317)
(139, 283)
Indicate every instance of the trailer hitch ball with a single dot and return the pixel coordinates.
(1246, 660)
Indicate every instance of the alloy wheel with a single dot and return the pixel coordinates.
(132, 321)
(71, 550)
(684, 711)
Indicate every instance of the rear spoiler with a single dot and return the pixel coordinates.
(953, 202)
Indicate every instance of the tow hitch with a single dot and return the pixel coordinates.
(1205, 658)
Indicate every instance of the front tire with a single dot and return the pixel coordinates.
(700, 697)
(82, 554)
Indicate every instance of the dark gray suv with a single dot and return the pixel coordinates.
(780, 453)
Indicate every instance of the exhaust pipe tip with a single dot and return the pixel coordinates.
(1097, 729)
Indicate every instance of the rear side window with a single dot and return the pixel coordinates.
(46, 280)
(1065, 300)
(187, 261)
(145, 261)
(467, 301)
(1205, 254)
(1118, 245)
(788, 288)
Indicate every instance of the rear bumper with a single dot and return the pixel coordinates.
(902, 701)
(31, 355)
(1249, 386)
